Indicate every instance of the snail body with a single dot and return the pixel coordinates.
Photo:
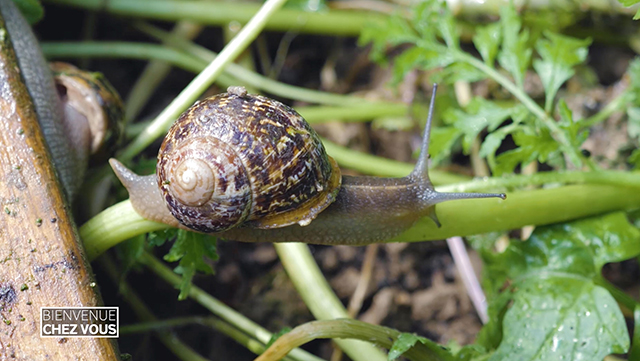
(310, 202)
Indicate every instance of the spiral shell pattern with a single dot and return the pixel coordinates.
(237, 159)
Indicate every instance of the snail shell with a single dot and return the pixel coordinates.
(93, 110)
(236, 158)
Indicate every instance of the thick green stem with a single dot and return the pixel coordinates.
(458, 218)
(348, 329)
(334, 22)
(195, 61)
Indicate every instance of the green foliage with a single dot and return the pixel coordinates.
(277, 335)
(631, 3)
(634, 354)
(515, 54)
(506, 47)
(550, 305)
(559, 54)
(406, 341)
(195, 252)
(31, 9)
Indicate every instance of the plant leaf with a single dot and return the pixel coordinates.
(194, 251)
(572, 131)
(276, 336)
(406, 341)
(633, 125)
(552, 309)
(442, 140)
(515, 55)
(393, 32)
(634, 354)
(559, 55)
(634, 159)
(480, 114)
(541, 147)
(487, 40)
(562, 318)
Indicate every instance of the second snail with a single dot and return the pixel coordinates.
(252, 169)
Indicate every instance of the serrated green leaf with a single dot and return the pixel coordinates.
(459, 72)
(394, 31)
(628, 2)
(493, 141)
(425, 15)
(573, 132)
(277, 335)
(158, 238)
(195, 252)
(448, 30)
(633, 125)
(515, 54)
(418, 57)
(442, 140)
(634, 159)
(480, 114)
(487, 40)
(559, 55)
(406, 341)
(530, 147)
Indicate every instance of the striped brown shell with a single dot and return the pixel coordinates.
(239, 159)
(91, 96)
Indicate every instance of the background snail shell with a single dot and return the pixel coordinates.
(236, 158)
(92, 109)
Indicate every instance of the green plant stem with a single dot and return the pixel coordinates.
(614, 178)
(154, 73)
(317, 294)
(121, 49)
(101, 228)
(347, 328)
(196, 62)
(252, 78)
(383, 167)
(218, 308)
(621, 297)
(613, 106)
(333, 22)
(458, 218)
(466, 8)
(212, 322)
(171, 341)
(204, 79)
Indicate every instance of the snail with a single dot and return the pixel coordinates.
(70, 111)
(224, 151)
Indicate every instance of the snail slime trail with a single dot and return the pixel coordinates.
(251, 169)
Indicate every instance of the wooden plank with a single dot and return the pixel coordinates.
(42, 262)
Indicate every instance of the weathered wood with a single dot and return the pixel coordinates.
(42, 262)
